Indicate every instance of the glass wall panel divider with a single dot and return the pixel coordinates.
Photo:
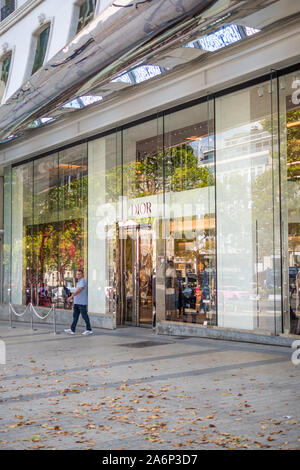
(216, 212)
(7, 241)
(289, 118)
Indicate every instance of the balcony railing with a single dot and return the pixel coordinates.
(8, 8)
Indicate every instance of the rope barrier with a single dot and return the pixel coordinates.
(30, 308)
(42, 318)
(19, 314)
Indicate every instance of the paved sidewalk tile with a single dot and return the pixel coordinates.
(131, 389)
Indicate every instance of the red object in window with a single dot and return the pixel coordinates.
(198, 292)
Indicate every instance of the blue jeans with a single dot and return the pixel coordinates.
(80, 309)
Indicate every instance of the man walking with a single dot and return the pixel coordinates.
(80, 297)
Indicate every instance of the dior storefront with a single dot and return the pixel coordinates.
(188, 220)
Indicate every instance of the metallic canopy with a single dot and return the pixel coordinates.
(126, 34)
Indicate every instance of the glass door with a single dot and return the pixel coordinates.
(136, 275)
(145, 275)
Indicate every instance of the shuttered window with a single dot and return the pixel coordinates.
(86, 14)
(5, 69)
(41, 47)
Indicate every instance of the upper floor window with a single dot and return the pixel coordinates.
(86, 13)
(5, 66)
(41, 48)
(7, 7)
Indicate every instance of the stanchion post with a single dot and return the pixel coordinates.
(31, 309)
(10, 316)
(54, 317)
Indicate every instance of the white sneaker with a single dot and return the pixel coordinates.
(87, 332)
(70, 332)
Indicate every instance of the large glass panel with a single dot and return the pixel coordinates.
(139, 229)
(7, 236)
(22, 272)
(41, 47)
(48, 227)
(104, 189)
(289, 87)
(248, 241)
(43, 235)
(72, 188)
(190, 269)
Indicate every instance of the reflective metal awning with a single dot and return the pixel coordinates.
(126, 42)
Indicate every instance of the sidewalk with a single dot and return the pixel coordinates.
(131, 389)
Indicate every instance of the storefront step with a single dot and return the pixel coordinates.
(175, 329)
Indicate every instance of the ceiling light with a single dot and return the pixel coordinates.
(293, 124)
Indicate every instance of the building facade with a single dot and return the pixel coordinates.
(172, 181)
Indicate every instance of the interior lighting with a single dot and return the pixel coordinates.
(72, 167)
(293, 124)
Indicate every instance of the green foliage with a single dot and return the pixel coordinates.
(177, 169)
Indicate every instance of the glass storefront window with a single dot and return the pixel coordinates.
(72, 221)
(189, 179)
(48, 227)
(104, 190)
(139, 227)
(248, 229)
(190, 217)
(289, 95)
(23, 283)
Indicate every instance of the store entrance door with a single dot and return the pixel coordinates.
(136, 266)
